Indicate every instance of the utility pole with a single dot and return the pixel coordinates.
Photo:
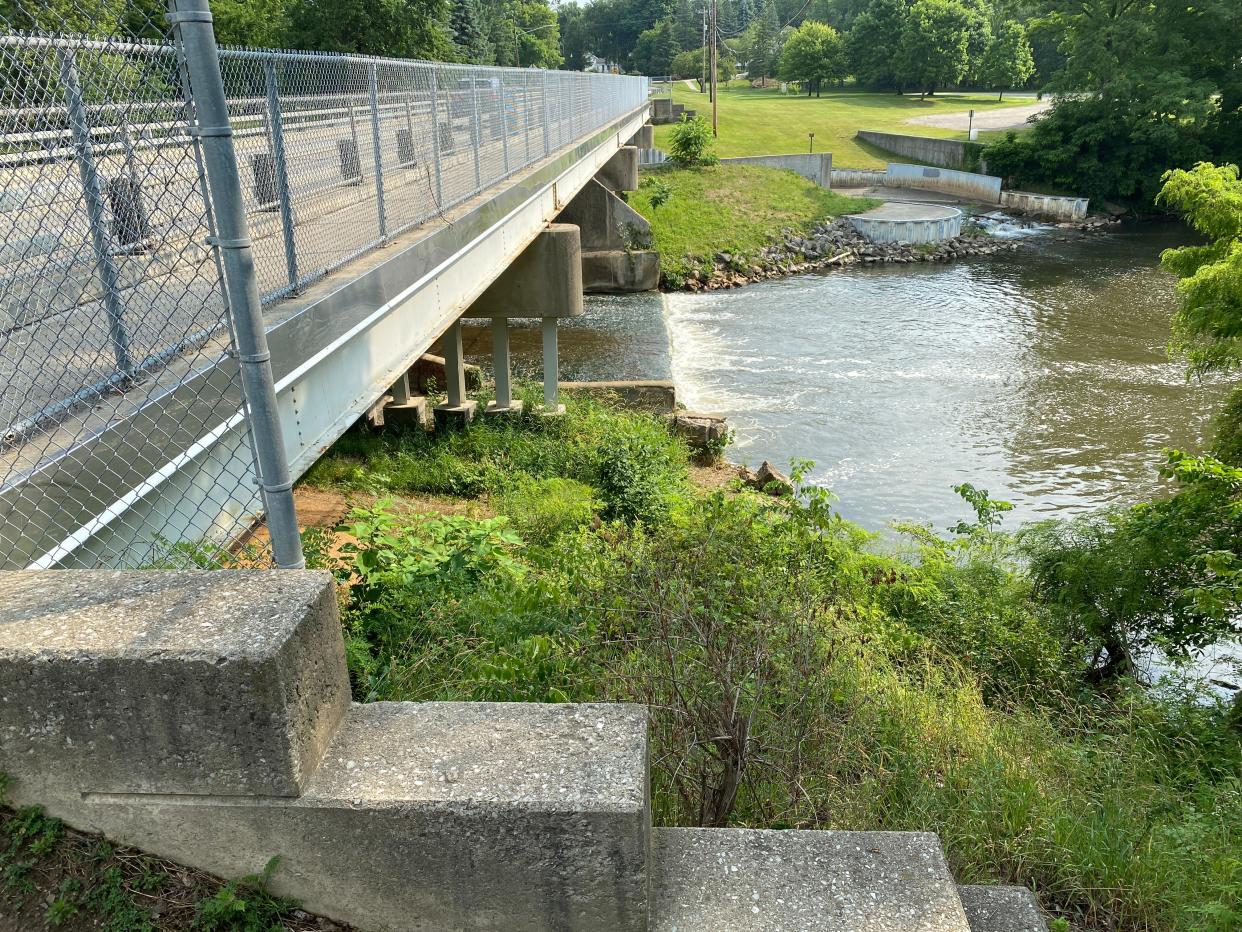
(715, 90)
(703, 83)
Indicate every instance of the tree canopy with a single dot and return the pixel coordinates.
(813, 54)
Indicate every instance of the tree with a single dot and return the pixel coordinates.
(538, 37)
(656, 49)
(575, 35)
(395, 28)
(1207, 328)
(813, 54)
(934, 44)
(762, 44)
(1147, 86)
(689, 64)
(874, 41)
(469, 36)
(1008, 61)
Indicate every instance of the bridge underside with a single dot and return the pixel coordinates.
(336, 349)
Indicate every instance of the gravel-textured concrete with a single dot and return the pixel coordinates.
(742, 880)
(1001, 909)
(426, 817)
(155, 682)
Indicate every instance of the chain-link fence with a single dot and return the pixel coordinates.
(125, 418)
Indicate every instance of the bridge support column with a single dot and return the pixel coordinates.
(551, 369)
(504, 403)
(545, 281)
(457, 411)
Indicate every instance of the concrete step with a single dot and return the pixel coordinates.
(1001, 909)
(746, 880)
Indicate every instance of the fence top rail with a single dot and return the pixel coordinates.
(72, 42)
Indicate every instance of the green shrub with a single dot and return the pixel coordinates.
(543, 509)
(638, 472)
(691, 143)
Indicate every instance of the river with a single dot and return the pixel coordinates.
(1040, 374)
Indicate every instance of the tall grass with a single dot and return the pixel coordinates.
(819, 683)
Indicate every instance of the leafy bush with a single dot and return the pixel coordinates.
(543, 509)
(800, 674)
(691, 143)
(638, 472)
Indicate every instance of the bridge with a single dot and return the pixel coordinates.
(214, 261)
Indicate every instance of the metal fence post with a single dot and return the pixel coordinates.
(192, 19)
(379, 154)
(276, 122)
(101, 238)
(526, 118)
(547, 118)
(504, 120)
(435, 137)
(476, 133)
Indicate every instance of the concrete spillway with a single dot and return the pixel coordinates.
(909, 223)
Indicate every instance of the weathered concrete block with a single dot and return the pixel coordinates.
(455, 417)
(746, 880)
(662, 110)
(173, 683)
(544, 281)
(1001, 909)
(620, 173)
(704, 433)
(409, 415)
(426, 817)
(610, 271)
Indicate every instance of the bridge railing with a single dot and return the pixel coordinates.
(112, 284)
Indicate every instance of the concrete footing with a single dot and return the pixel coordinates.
(497, 410)
(205, 717)
(411, 414)
(455, 416)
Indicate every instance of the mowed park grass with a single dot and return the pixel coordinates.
(737, 209)
(763, 121)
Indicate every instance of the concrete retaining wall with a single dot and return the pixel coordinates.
(1045, 205)
(986, 188)
(813, 166)
(857, 177)
(947, 153)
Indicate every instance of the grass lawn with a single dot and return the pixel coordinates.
(762, 121)
(729, 208)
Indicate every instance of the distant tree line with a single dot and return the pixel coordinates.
(901, 45)
(487, 32)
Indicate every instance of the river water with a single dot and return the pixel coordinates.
(1040, 374)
